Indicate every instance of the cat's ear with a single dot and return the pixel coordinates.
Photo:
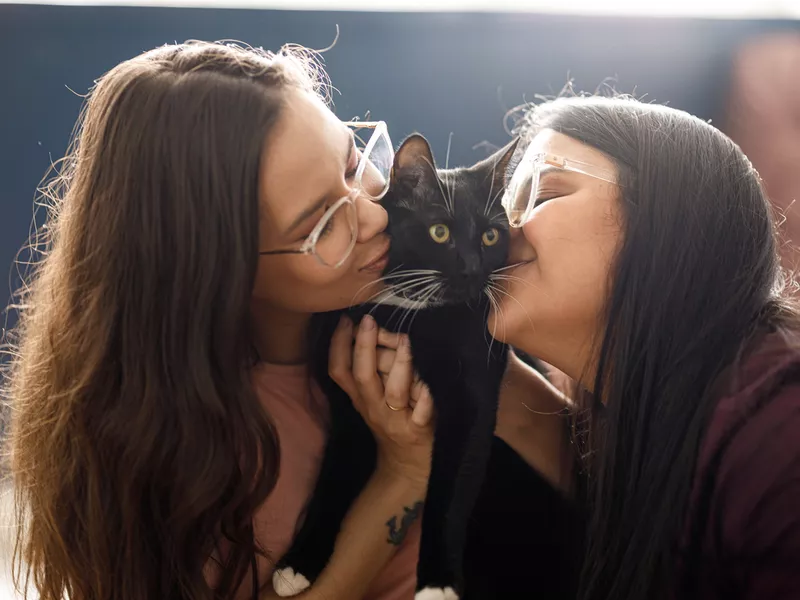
(413, 162)
(496, 166)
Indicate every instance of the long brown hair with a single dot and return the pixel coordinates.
(137, 445)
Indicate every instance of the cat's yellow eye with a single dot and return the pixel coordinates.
(440, 233)
(490, 237)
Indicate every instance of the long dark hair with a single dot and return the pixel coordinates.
(138, 448)
(695, 279)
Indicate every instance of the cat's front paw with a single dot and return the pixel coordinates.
(436, 594)
(287, 583)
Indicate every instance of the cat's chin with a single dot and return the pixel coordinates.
(406, 303)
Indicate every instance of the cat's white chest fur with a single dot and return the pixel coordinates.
(436, 594)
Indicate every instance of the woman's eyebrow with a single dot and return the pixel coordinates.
(310, 210)
(551, 172)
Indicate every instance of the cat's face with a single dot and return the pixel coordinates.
(449, 231)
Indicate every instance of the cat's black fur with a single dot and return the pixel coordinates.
(452, 349)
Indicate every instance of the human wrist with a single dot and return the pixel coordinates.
(392, 472)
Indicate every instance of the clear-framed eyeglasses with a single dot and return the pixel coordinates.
(522, 193)
(334, 236)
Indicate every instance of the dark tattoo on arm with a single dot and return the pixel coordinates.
(398, 534)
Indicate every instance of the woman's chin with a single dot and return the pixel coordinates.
(369, 291)
(497, 326)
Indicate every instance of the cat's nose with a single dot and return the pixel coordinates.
(466, 275)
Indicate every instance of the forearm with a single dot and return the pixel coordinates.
(366, 541)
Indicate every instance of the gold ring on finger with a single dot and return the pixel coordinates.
(394, 408)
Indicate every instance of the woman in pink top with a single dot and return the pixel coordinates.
(166, 434)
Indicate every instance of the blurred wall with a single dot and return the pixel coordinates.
(435, 73)
(764, 119)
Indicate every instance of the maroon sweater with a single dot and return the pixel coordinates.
(742, 539)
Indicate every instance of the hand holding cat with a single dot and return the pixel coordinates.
(398, 411)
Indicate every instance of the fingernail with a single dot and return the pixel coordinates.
(405, 342)
(347, 323)
(367, 323)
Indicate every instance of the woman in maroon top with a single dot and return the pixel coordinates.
(647, 271)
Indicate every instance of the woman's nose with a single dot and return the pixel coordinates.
(372, 218)
(520, 249)
(372, 180)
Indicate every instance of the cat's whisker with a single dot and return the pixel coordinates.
(489, 308)
(405, 297)
(439, 183)
(411, 273)
(495, 305)
(507, 267)
(447, 158)
(400, 306)
(434, 291)
(499, 218)
(448, 198)
(409, 285)
(397, 290)
(491, 189)
(400, 289)
(409, 310)
(453, 195)
(409, 277)
(364, 287)
(500, 315)
(511, 278)
(380, 280)
(511, 296)
(418, 295)
(425, 296)
(421, 297)
(387, 291)
(405, 306)
(425, 300)
(490, 200)
(393, 285)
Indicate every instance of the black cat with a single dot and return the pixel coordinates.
(449, 237)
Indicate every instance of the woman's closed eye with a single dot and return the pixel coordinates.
(350, 172)
(327, 228)
(553, 184)
(352, 163)
(544, 197)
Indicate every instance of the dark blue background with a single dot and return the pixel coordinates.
(435, 73)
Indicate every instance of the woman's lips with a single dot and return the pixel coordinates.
(378, 262)
(518, 267)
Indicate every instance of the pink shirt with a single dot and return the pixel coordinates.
(299, 410)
